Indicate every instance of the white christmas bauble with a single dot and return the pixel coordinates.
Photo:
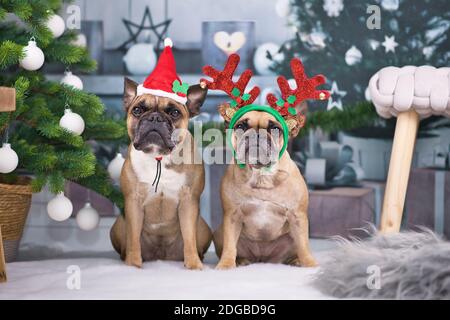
(34, 57)
(8, 159)
(260, 60)
(316, 40)
(60, 207)
(80, 41)
(374, 44)
(367, 94)
(72, 122)
(140, 58)
(56, 25)
(87, 218)
(115, 167)
(390, 5)
(72, 80)
(428, 51)
(353, 56)
(283, 8)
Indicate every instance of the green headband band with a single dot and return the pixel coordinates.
(253, 107)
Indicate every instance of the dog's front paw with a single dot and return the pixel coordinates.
(193, 263)
(225, 264)
(307, 262)
(134, 259)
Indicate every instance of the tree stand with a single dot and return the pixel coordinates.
(409, 93)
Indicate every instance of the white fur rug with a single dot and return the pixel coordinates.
(104, 276)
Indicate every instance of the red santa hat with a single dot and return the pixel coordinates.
(164, 81)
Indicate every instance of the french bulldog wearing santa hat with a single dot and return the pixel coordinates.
(162, 218)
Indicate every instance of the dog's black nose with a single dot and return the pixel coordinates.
(155, 117)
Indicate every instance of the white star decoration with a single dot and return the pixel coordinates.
(333, 93)
(389, 44)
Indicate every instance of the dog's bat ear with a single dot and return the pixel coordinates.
(129, 92)
(298, 121)
(196, 96)
(224, 110)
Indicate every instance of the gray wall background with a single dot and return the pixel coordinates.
(187, 16)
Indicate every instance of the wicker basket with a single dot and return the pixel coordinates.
(15, 201)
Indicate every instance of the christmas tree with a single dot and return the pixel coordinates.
(42, 131)
(349, 41)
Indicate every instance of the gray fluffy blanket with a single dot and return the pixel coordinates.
(407, 265)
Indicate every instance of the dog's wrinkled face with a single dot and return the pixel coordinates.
(152, 120)
(257, 139)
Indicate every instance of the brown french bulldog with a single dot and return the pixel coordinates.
(264, 197)
(265, 217)
(162, 223)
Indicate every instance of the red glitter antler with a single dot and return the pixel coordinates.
(223, 80)
(306, 89)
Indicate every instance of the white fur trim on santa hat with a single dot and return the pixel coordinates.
(168, 42)
(142, 90)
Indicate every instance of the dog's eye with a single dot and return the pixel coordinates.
(173, 112)
(137, 111)
(241, 126)
(273, 128)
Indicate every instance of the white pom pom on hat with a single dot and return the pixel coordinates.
(168, 42)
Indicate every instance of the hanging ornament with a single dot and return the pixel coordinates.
(367, 94)
(33, 56)
(72, 80)
(261, 59)
(283, 8)
(315, 40)
(115, 167)
(353, 56)
(389, 44)
(79, 41)
(56, 25)
(140, 58)
(88, 218)
(8, 159)
(374, 44)
(390, 5)
(59, 208)
(72, 122)
(336, 96)
(428, 51)
(333, 8)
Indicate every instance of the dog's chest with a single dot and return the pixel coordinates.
(145, 167)
(263, 220)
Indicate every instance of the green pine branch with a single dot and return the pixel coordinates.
(49, 152)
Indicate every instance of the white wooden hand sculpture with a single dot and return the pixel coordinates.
(409, 93)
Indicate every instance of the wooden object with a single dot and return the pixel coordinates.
(399, 169)
(7, 99)
(2, 260)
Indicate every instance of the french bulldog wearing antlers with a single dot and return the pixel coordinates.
(162, 219)
(264, 196)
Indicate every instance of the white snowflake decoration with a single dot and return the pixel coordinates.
(333, 7)
(389, 44)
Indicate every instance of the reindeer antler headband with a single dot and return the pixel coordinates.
(282, 109)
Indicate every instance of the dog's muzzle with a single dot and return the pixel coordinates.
(257, 149)
(154, 129)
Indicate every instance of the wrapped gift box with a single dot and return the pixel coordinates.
(341, 212)
(428, 200)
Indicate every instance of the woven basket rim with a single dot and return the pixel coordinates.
(23, 185)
